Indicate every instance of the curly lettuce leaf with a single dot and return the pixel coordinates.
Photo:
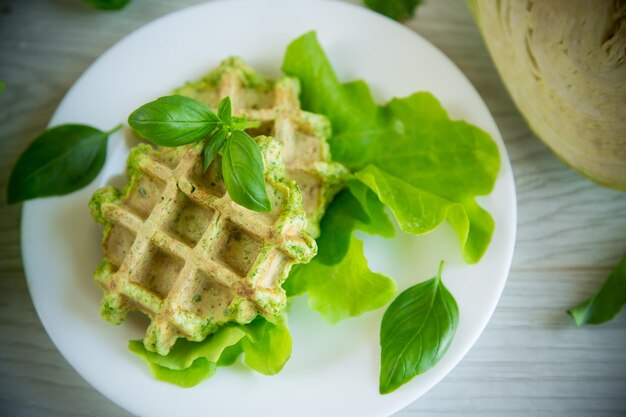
(419, 211)
(411, 138)
(377, 222)
(355, 207)
(266, 347)
(199, 369)
(347, 289)
(184, 352)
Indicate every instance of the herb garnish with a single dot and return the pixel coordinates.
(61, 160)
(68, 157)
(179, 120)
(417, 330)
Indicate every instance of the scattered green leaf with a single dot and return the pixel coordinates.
(416, 331)
(61, 160)
(607, 302)
(347, 289)
(395, 9)
(242, 167)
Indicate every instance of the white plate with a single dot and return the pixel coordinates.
(334, 369)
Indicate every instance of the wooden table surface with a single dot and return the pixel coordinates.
(531, 359)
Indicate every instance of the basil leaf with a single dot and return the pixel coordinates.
(173, 121)
(225, 111)
(60, 160)
(2, 87)
(212, 146)
(395, 9)
(416, 331)
(607, 302)
(107, 4)
(242, 168)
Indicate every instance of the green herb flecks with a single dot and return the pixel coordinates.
(179, 120)
(416, 331)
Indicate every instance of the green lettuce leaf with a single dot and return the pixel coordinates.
(199, 369)
(377, 221)
(267, 347)
(411, 138)
(336, 228)
(184, 352)
(230, 355)
(355, 207)
(188, 363)
(416, 210)
(347, 289)
(607, 302)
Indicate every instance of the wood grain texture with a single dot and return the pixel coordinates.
(531, 360)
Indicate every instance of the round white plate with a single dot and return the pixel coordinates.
(333, 370)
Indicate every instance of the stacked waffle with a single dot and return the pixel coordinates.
(177, 248)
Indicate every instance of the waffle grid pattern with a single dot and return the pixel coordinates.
(178, 248)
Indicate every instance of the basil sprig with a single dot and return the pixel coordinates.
(61, 160)
(416, 331)
(68, 157)
(179, 120)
